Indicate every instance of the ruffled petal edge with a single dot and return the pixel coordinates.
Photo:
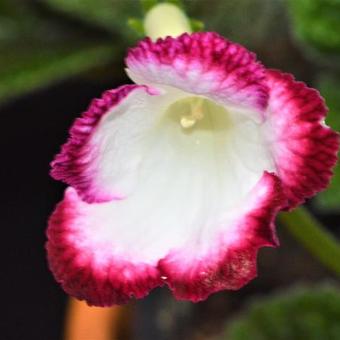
(103, 283)
(304, 148)
(202, 63)
(232, 261)
(76, 163)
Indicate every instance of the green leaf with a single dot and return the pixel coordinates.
(313, 236)
(196, 25)
(301, 313)
(148, 4)
(111, 15)
(316, 22)
(31, 69)
(137, 26)
(177, 3)
(329, 86)
(329, 200)
(36, 51)
(250, 22)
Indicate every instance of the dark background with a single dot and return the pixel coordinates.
(33, 129)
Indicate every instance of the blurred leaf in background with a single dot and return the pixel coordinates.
(329, 86)
(259, 25)
(111, 15)
(316, 28)
(250, 22)
(36, 50)
(316, 22)
(301, 313)
(42, 41)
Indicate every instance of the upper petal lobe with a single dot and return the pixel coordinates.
(202, 63)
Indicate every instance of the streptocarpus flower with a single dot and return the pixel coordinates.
(177, 179)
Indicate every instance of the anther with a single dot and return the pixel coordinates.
(195, 115)
(188, 122)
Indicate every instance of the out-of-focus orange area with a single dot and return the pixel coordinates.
(83, 322)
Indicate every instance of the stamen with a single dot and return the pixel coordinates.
(196, 114)
(187, 122)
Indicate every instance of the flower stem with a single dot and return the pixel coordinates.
(314, 237)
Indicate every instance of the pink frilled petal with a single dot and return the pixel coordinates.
(99, 258)
(85, 161)
(178, 182)
(229, 262)
(303, 147)
(87, 268)
(204, 64)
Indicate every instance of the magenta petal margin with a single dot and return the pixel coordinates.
(76, 163)
(111, 281)
(230, 264)
(205, 64)
(304, 148)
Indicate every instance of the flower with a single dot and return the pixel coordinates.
(177, 179)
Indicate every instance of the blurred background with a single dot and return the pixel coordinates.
(55, 56)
